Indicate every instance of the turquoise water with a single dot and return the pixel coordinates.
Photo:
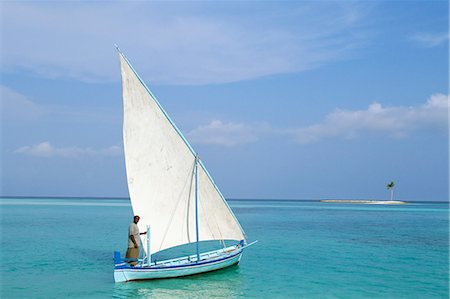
(62, 248)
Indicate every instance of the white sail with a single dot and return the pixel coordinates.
(160, 167)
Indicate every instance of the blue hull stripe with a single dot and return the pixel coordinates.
(177, 266)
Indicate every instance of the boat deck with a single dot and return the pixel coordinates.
(205, 257)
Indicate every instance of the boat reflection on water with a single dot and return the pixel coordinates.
(225, 283)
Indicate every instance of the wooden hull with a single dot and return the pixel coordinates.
(181, 269)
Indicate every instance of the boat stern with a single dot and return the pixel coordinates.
(117, 258)
(119, 265)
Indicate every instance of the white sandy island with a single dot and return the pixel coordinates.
(370, 202)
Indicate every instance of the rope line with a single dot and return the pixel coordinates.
(173, 214)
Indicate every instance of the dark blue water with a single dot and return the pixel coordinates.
(55, 248)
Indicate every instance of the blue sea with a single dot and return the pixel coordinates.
(63, 248)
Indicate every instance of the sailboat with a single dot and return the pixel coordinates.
(172, 192)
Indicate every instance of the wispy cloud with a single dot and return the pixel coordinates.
(394, 122)
(16, 105)
(430, 40)
(178, 43)
(227, 134)
(45, 149)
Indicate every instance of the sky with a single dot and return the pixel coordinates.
(282, 100)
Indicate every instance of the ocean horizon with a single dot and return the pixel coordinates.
(227, 199)
(63, 247)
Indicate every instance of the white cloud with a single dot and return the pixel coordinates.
(15, 105)
(430, 40)
(18, 108)
(177, 43)
(388, 121)
(227, 134)
(45, 149)
(392, 121)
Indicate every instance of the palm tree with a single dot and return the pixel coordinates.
(390, 186)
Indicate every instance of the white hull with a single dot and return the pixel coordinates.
(155, 271)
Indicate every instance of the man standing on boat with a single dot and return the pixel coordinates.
(133, 241)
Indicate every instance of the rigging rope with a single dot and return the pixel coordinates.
(175, 209)
(217, 225)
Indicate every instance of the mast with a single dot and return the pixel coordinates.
(196, 207)
(149, 258)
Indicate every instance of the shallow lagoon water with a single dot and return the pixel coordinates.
(55, 248)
